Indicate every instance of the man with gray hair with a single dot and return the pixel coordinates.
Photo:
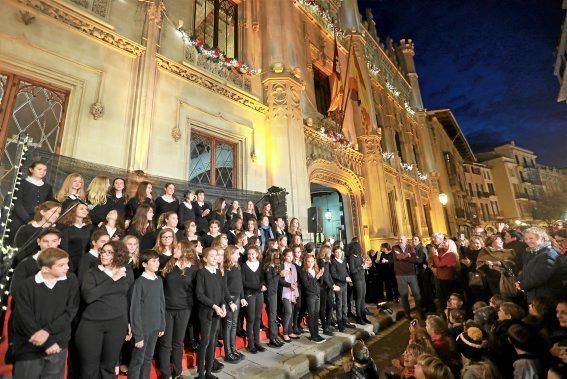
(404, 266)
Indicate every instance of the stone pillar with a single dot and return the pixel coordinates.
(286, 159)
(407, 51)
(375, 183)
(144, 93)
(350, 16)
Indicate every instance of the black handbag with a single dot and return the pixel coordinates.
(476, 279)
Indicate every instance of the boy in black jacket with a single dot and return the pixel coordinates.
(45, 304)
(147, 315)
(341, 278)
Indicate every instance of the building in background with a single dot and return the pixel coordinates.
(451, 152)
(480, 186)
(560, 68)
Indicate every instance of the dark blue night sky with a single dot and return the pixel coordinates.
(491, 63)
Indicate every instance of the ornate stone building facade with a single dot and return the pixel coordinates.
(229, 93)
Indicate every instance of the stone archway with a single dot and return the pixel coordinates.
(350, 186)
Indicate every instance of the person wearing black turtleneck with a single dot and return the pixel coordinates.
(178, 284)
(212, 295)
(202, 213)
(357, 267)
(341, 278)
(253, 283)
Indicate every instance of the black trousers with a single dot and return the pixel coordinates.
(47, 367)
(342, 306)
(295, 320)
(359, 297)
(170, 350)
(272, 300)
(209, 324)
(254, 317)
(446, 287)
(313, 306)
(141, 362)
(229, 325)
(99, 344)
(326, 308)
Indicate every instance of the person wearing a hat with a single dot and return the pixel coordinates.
(527, 363)
(471, 343)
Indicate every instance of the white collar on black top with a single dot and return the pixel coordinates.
(36, 255)
(110, 230)
(201, 203)
(93, 252)
(149, 276)
(36, 182)
(212, 270)
(167, 253)
(188, 204)
(109, 271)
(311, 271)
(39, 279)
(168, 199)
(253, 265)
(80, 226)
(339, 260)
(179, 265)
(118, 195)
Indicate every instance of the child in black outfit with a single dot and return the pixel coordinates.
(41, 322)
(272, 277)
(233, 279)
(212, 294)
(311, 275)
(147, 315)
(99, 238)
(253, 283)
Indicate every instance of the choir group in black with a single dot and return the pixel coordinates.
(102, 284)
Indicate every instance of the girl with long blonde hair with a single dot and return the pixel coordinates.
(97, 197)
(73, 187)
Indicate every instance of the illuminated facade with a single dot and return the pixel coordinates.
(560, 67)
(125, 84)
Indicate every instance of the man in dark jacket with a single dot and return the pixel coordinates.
(404, 266)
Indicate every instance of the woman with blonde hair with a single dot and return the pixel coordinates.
(431, 367)
(178, 284)
(97, 197)
(73, 187)
(249, 212)
(293, 229)
(133, 246)
(539, 276)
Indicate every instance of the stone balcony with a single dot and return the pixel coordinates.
(320, 146)
(193, 57)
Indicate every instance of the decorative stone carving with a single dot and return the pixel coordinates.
(26, 17)
(210, 83)
(176, 133)
(97, 110)
(283, 97)
(192, 56)
(155, 11)
(371, 147)
(84, 25)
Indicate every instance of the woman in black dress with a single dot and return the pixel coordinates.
(249, 212)
(142, 227)
(167, 202)
(116, 196)
(32, 192)
(45, 215)
(73, 187)
(97, 198)
(143, 196)
(218, 212)
(186, 211)
(233, 211)
(76, 230)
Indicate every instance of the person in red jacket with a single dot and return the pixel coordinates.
(444, 257)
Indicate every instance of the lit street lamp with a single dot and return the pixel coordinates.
(444, 199)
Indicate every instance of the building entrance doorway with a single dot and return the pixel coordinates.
(332, 206)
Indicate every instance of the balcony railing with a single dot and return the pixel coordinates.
(193, 57)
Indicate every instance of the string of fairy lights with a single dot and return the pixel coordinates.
(8, 252)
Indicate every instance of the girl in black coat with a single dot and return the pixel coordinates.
(32, 192)
(386, 274)
(311, 276)
(233, 279)
(143, 196)
(328, 288)
(97, 197)
(142, 227)
(73, 187)
(218, 213)
(179, 276)
(167, 202)
(116, 197)
(254, 288)
(76, 230)
(186, 212)
(272, 277)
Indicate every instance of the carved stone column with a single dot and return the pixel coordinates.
(375, 189)
(285, 141)
(146, 78)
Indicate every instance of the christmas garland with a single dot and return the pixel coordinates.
(313, 7)
(217, 55)
(335, 137)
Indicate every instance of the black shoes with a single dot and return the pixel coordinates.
(260, 348)
(273, 343)
(239, 355)
(217, 366)
(328, 332)
(350, 326)
(231, 358)
(252, 349)
(242, 333)
(317, 339)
